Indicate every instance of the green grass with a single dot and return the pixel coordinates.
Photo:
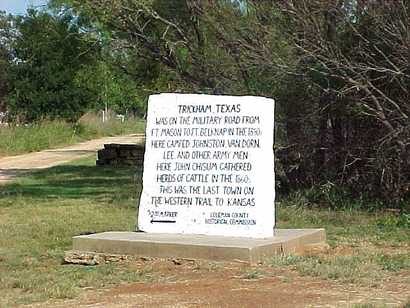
(40, 213)
(365, 247)
(253, 274)
(346, 226)
(49, 134)
(348, 269)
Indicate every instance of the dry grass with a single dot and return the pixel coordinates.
(50, 134)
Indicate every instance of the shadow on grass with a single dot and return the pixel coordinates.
(76, 182)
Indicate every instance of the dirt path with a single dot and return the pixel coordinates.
(13, 166)
(208, 284)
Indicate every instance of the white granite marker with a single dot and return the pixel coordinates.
(209, 166)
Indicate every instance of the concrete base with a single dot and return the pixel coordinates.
(183, 246)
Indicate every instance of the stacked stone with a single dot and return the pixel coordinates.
(121, 155)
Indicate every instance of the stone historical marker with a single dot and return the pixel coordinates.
(208, 184)
(209, 166)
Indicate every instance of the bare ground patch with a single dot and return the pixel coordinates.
(179, 283)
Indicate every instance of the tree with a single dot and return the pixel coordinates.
(50, 51)
(186, 41)
(356, 55)
(113, 88)
(6, 35)
(339, 71)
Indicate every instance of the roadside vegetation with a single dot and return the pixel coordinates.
(41, 212)
(50, 134)
(365, 248)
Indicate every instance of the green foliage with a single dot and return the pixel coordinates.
(113, 89)
(393, 263)
(184, 45)
(253, 274)
(50, 52)
(6, 37)
(399, 220)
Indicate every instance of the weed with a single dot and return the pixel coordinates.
(331, 196)
(393, 263)
(214, 266)
(253, 274)
(287, 279)
(391, 221)
(284, 260)
(49, 134)
(358, 268)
